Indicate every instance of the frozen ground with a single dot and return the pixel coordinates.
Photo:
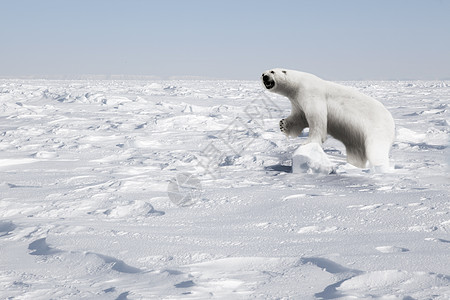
(85, 168)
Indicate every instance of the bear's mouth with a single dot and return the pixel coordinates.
(268, 82)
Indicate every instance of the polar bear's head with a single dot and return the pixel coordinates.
(277, 81)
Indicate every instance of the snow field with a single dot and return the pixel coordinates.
(85, 168)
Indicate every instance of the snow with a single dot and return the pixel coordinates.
(311, 158)
(187, 190)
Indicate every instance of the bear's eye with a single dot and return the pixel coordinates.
(284, 71)
(272, 72)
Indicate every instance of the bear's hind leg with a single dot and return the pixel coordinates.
(356, 157)
(378, 155)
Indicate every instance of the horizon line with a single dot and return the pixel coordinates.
(173, 77)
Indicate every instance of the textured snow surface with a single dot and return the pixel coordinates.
(310, 158)
(185, 190)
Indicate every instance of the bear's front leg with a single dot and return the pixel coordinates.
(292, 125)
(316, 113)
(317, 130)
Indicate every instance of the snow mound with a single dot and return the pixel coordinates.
(391, 249)
(311, 159)
(392, 284)
(136, 208)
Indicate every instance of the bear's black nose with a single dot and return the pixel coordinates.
(265, 77)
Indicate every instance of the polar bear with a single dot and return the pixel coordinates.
(361, 123)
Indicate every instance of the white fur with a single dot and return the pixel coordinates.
(362, 123)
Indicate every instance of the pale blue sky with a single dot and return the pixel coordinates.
(337, 40)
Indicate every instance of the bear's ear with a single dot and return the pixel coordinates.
(284, 71)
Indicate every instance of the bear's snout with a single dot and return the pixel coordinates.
(268, 81)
